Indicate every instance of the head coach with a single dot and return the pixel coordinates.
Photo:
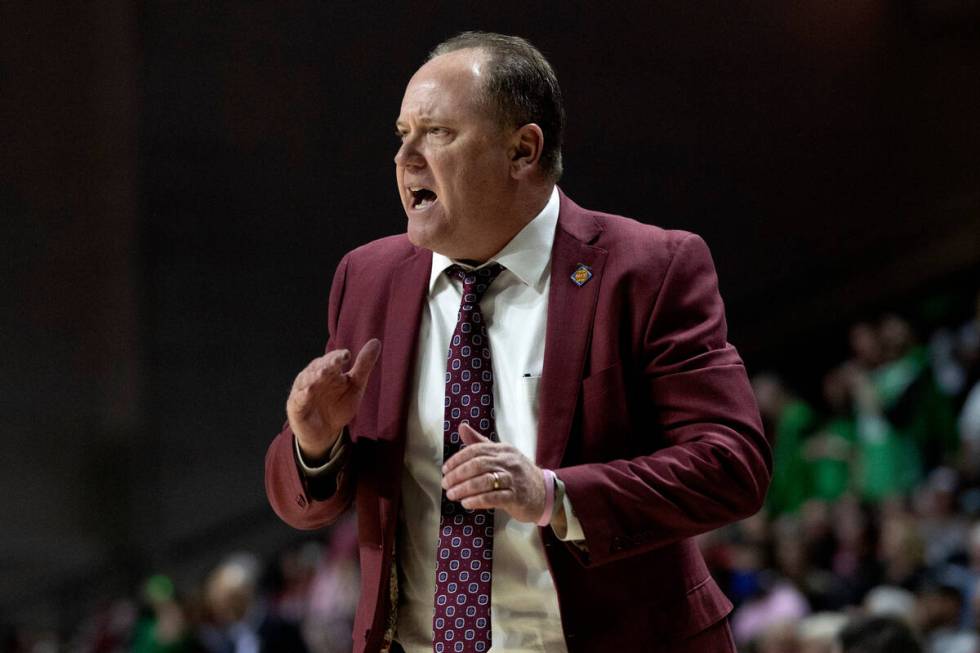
(532, 406)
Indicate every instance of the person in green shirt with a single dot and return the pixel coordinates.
(831, 450)
(791, 420)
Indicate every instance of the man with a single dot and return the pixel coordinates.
(580, 357)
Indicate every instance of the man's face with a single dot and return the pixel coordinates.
(453, 166)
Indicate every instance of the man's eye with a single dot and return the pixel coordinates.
(437, 131)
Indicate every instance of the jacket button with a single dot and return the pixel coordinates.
(301, 500)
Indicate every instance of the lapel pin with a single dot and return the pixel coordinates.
(581, 275)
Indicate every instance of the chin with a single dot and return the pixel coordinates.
(421, 237)
(428, 229)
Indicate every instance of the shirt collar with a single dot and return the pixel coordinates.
(526, 255)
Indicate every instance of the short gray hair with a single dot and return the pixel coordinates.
(522, 86)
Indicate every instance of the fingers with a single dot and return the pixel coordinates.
(299, 402)
(472, 451)
(487, 500)
(328, 366)
(366, 359)
(473, 445)
(328, 369)
(471, 471)
(478, 470)
(470, 475)
(481, 484)
(470, 435)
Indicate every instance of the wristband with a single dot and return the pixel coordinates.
(549, 497)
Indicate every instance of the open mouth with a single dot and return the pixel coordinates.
(422, 198)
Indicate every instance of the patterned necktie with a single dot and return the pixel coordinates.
(461, 623)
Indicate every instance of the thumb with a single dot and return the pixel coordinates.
(366, 358)
(469, 435)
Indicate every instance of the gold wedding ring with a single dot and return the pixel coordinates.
(496, 480)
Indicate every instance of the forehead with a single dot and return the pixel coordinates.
(449, 85)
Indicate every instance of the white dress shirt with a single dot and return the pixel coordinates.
(524, 603)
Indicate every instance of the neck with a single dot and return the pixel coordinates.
(522, 211)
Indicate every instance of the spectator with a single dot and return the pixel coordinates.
(968, 345)
(878, 635)
(938, 616)
(909, 396)
(854, 563)
(943, 530)
(238, 619)
(887, 465)
(830, 452)
(818, 633)
(333, 592)
(955, 354)
(791, 420)
(865, 346)
(780, 637)
(164, 628)
(890, 601)
(965, 576)
(968, 426)
(761, 618)
(901, 550)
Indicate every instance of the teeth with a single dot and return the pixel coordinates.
(422, 196)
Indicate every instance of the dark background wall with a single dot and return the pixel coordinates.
(179, 179)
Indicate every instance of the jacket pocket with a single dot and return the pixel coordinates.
(606, 381)
(704, 606)
(606, 423)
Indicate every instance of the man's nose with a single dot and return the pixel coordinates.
(408, 155)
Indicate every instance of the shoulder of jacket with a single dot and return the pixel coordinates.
(639, 238)
(388, 249)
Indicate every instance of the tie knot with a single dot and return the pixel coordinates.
(475, 282)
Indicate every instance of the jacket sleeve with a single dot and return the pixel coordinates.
(716, 463)
(304, 501)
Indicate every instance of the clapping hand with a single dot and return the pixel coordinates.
(470, 475)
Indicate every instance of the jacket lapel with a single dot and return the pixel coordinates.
(571, 309)
(405, 301)
(407, 295)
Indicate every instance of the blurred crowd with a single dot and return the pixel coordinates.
(869, 542)
(874, 508)
(299, 600)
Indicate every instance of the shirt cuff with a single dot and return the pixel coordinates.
(573, 527)
(337, 451)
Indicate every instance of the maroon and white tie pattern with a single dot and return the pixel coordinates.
(461, 623)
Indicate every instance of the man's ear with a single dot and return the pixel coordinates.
(525, 151)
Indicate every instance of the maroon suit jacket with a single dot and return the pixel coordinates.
(645, 413)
